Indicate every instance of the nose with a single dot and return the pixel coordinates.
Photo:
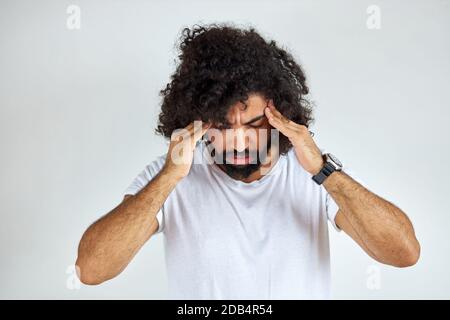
(240, 143)
(236, 139)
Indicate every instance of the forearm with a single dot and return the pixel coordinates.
(109, 244)
(384, 229)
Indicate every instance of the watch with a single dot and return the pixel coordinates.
(331, 165)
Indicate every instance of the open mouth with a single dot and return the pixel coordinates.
(239, 160)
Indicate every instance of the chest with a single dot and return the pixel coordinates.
(209, 210)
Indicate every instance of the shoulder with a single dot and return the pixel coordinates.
(155, 166)
(146, 175)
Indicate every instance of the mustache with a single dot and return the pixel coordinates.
(244, 153)
(256, 156)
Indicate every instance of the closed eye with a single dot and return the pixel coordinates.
(222, 127)
(252, 123)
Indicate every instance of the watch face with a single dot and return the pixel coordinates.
(335, 160)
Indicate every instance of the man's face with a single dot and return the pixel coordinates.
(241, 145)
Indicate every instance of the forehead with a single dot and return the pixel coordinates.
(248, 109)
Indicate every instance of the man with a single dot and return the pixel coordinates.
(243, 194)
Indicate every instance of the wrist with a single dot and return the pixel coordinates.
(171, 175)
(317, 166)
(330, 165)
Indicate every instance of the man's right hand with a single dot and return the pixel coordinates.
(109, 244)
(181, 149)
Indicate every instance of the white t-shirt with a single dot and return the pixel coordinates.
(227, 239)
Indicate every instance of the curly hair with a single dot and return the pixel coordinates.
(221, 65)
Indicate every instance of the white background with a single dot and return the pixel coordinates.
(79, 108)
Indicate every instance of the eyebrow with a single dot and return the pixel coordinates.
(251, 120)
(255, 119)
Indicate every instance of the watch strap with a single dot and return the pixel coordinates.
(326, 170)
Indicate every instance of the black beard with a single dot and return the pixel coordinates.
(239, 172)
(242, 171)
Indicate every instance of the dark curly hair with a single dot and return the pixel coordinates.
(221, 65)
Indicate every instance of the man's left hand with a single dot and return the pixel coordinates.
(308, 154)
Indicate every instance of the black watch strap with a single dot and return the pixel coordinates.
(326, 170)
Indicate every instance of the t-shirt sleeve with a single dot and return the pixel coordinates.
(142, 179)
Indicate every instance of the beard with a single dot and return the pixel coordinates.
(241, 171)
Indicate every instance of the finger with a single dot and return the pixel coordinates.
(183, 133)
(279, 124)
(199, 131)
(189, 126)
(278, 114)
(199, 126)
(287, 122)
(205, 128)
